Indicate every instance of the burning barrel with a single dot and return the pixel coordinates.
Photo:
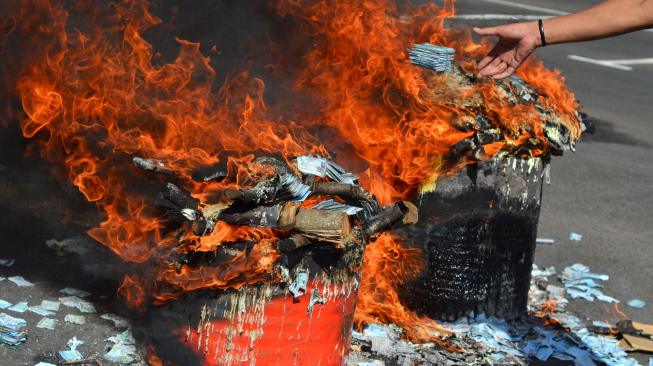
(266, 273)
(477, 233)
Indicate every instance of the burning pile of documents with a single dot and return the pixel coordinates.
(11, 330)
(489, 134)
(488, 138)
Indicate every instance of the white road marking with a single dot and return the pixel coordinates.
(527, 7)
(635, 61)
(623, 64)
(500, 17)
(605, 63)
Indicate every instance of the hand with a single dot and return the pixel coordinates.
(516, 42)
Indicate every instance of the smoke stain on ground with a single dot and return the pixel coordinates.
(605, 131)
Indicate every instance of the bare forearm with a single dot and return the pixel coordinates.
(606, 19)
(517, 41)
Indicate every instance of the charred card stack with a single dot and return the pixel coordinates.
(556, 137)
(345, 215)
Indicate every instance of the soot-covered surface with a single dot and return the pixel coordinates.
(477, 231)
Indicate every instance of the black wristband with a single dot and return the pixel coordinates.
(542, 37)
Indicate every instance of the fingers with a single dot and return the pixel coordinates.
(492, 55)
(496, 66)
(508, 54)
(509, 71)
(489, 31)
(484, 62)
(487, 60)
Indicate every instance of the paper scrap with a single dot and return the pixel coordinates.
(4, 304)
(121, 353)
(537, 271)
(7, 262)
(125, 337)
(11, 330)
(73, 343)
(605, 298)
(50, 305)
(75, 319)
(75, 302)
(20, 281)
(39, 310)
(117, 321)
(19, 307)
(72, 354)
(636, 303)
(575, 237)
(601, 324)
(312, 165)
(47, 323)
(74, 292)
(298, 287)
(124, 350)
(432, 57)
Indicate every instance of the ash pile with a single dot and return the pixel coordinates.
(312, 206)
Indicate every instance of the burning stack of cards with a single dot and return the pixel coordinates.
(321, 167)
(11, 332)
(431, 57)
(333, 205)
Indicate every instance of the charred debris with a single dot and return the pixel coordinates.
(523, 140)
(315, 208)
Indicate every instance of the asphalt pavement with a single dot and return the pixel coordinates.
(604, 191)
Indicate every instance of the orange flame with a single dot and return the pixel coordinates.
(387, 265)
(94, 97)
(132, 291)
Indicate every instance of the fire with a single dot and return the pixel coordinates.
(547, 313)
(153, 359)
(132, 290)
(95, 93)
(387, 265)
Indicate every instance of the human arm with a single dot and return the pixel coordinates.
(518, 40)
